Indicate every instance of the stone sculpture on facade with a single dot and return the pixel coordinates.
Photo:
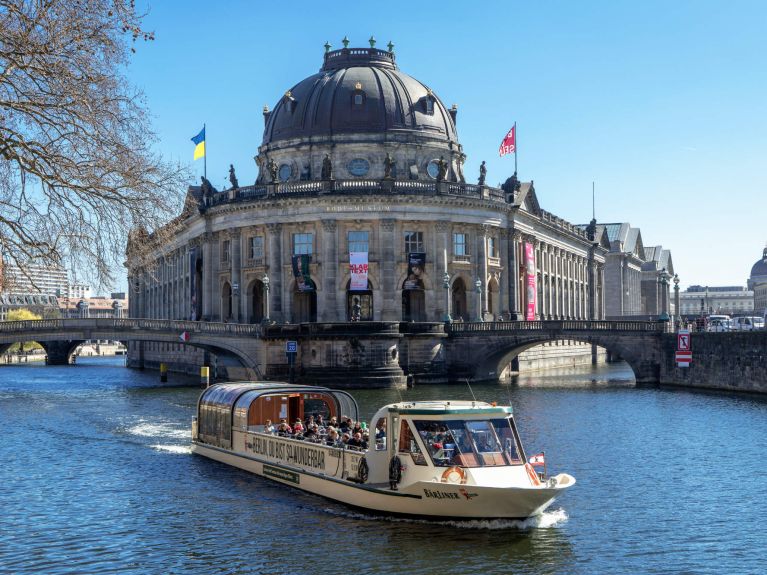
(272, 165)
(327, 168)
(233, 178)
(482, 173)
(441, 169)
(388, 166)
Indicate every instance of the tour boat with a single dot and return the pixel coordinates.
(428, 459)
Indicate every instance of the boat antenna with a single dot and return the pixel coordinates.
(474, 397)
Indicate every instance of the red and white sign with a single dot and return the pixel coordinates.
(509, 144)
(683, 342)
(683, 358)
(358, 268)
(532, 290)
(184, 336)
(537, 459)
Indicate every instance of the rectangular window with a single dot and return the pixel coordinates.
(492, 248)
(225, 249)
(459, 244)
(414, 242)
(303, 244)
(358, 241)
(256, 248)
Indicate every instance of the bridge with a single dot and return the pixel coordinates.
(383, 354)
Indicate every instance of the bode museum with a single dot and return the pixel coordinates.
(362, 211)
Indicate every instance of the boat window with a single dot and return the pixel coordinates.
(470, 443)
(408, 444)
(380, 434)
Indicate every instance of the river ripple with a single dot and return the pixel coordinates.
(98, 478)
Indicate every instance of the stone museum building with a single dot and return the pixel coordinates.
(362, 211)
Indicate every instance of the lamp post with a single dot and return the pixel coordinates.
(478, 285)
(446, 285)
(677, 311)
(265, 281)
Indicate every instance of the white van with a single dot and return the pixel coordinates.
(718, 323)
(747, 323)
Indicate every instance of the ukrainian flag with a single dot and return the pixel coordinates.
(199, 140)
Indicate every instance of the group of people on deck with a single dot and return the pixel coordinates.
(333, 432)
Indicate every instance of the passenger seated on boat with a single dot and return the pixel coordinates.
(310, 433)
(284, 430)
(268, 427)
(332, 437)
(356, 442)
(333, 422)
(298, 427)
(319, 420)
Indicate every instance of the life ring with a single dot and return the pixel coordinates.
(532, 475)
(454, 474)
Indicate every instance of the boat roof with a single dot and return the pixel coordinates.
(449, 408)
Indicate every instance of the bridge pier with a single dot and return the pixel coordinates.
(58, 352)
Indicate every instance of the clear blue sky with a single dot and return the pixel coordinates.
(662, 104)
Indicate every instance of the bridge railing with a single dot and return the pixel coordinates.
(557, 325)
(124, 324)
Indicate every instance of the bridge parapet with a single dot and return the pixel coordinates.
(501, 327)
(166, 325)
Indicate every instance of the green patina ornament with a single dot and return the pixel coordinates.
(345, 42)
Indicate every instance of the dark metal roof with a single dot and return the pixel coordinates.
(322, 104)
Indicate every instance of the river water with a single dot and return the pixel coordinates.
(97, 477)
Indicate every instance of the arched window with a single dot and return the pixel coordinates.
(361, 298)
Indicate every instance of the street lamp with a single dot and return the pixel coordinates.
(478, 285)
(265, 281)
(446, 285)
(677, 310)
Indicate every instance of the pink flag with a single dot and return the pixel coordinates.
(509, 144)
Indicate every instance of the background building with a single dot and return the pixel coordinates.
(704, 300)
(757, 282)
(35, 278)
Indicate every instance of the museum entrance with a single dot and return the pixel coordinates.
(460, 309)
(305, 303)
(414, 303)
(364, 298)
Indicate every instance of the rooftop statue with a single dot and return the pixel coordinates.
(388, 165)
(272, 166)
(442, 167)
(327, 168)
(482, 173)
(233, 178)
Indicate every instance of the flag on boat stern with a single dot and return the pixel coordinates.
(537, 459)
(199, 141)
(509, 143)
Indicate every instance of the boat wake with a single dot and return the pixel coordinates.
(547, 520)
(149, 429)
(179, 449)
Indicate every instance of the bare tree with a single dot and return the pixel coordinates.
(77, 168)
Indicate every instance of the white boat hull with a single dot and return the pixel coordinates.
(427, 499)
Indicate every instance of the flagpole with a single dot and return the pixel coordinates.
(205, 157)
(516, 145)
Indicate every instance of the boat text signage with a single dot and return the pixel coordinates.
(300, 455)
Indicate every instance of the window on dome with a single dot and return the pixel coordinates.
(430, 105)
(358, 99)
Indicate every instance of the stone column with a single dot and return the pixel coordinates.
(328, 308)
(388, 290)
(441, 266)
(207, 277)
(235, 261)
(275, 272)
(483, 267)
(513, 263)
(503, 296)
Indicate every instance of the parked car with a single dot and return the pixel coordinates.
(747, 323)
(718, 325)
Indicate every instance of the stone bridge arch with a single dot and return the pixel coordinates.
(482, 354)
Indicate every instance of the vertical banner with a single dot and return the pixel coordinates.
(532, 291)
(358, 267)
(416, 264)
(193, 284)
(301, 272)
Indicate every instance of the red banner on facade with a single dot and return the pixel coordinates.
(531, 287)
(509, 144)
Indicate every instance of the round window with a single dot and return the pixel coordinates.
(432, 168)
(358, 167)
(286, 170)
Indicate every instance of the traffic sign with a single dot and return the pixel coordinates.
(683, 358)
(291, 347)
(184, 336)
(683, 342)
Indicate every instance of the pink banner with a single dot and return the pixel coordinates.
(358, 266)
(531, 287)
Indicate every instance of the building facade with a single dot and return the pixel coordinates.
(757, 282)
(361, 211)
(727, 300)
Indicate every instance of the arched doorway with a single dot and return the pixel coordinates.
(460, 306)
(493, 299)
(414, 302)
(226, 302)
(364, 299)
(256, 302)
(305, 302)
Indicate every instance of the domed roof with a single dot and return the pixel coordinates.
(759, 269)
(359, 90)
